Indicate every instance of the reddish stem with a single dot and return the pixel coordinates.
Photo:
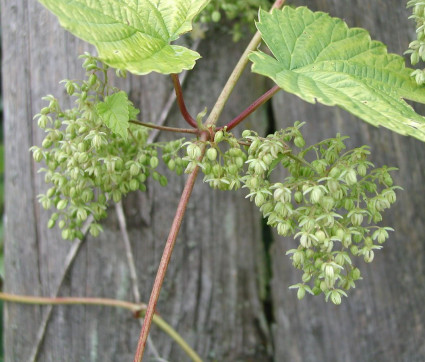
(180, 101)
(259, 102)
(164, 128)
(162, 269)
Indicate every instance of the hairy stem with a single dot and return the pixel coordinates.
(180, 101)
(210, 122)
(253, 107)
(165, 128)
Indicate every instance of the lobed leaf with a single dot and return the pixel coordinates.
(320, 59)
(133, 34)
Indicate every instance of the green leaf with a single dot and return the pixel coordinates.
(115, 113)
(130, 34)
(320, 59)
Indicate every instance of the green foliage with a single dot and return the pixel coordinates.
(130, 35)
(115, 113)
(319, 58)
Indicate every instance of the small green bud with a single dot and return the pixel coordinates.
(47, 142)
(320, 235)
(212, 154)
(298, 196)
(300, 293)
(51, 223)
(299, 142)
(116, 196)
(218, 137)
(92, 79)
(134, 185)
(95, 229)
(62, 204)
(316, 194)
(351, 177)
(163, 181)
(154, 162)
(37, 154)
(134, 169)
(215, 16)
(171, 164)
(335, 297)
(66, 234)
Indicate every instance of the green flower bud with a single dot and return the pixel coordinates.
(368, 256)
(354, 250)
(351, 177)
(37, 154)
(62, 204)
(300, 293)
(215, 16)
(298, 196)
(171, 164)
(81, 214)
(92, 80)
(154, 162)
(320, 235)
(134, 185)
(299, 142)
(95, 229)
(163, 181)
(135, 169)
(51, 223)
(116, 196)
(259, 199)
(335, 297)
(355, 273)
(283, 228)
(66, 234)
(316, 194)
(212, 154)
(47, 142)
(362, 170)
(218, 137)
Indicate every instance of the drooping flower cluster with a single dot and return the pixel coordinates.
(331, 202)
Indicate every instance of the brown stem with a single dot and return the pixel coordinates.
(165, 128)
(253, 107)
(180, 101)
(211, 121)
(178, 218)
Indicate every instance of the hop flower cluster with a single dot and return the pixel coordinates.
(223, 162)
(330, 203)
(87, 164)
(417, 47)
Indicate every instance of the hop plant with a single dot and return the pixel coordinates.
(90, 161)
(331, 205)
